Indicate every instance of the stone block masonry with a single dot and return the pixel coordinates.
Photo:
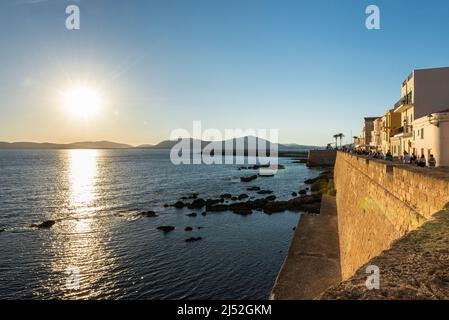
(379, 202)
(321, 158)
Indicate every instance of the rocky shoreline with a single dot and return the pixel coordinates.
(307, 201)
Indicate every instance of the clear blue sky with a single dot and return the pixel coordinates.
(308, 68)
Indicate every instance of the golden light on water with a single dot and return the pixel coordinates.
(80, 244)
(82, 178)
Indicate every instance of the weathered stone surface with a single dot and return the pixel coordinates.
(379, 203)
(415, 267)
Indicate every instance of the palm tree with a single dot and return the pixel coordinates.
(336, 140)
(341, 136)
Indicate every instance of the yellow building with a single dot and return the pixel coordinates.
(391, 122)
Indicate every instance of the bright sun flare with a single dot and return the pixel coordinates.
(82, 101)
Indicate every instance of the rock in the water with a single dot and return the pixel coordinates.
(234, 198)
(166, 229)
(2, 230)
(198, 204)
(204, 214)
(248, 178)
(243, 211)
(179, 205)
(243, 196)
(294, 194)
(253, 189)
(193, 239)
(271, 198)
(188, 229)
(149, 214)
(192, 215)
(199, 228)
(265, 192)
(211, 202)
(303, 192)
(226, 196)
(45, 225)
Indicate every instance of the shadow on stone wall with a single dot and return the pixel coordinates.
(415, 267)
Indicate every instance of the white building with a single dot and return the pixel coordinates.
(431, 136)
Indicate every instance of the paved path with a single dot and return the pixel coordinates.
(313, 261)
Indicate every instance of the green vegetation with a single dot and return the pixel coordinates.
(324, 187)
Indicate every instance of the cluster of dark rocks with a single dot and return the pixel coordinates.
(301, 202)
(190, 197)
(269, 205)
(262, 166)
(325, 175)
(168, 229)
(200, 203)
(148, 214)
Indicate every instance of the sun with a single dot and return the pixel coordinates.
(82, 101)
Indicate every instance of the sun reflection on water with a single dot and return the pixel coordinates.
(81, 242)
(82, 177)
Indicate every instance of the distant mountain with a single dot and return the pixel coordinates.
(232, 144)
(145, 146)
(237, 143)
(76, 145)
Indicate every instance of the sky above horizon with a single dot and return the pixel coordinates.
(308, 68)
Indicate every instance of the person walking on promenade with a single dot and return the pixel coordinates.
(407, 159)
(413, 158)
(389, 157)
(432, 162)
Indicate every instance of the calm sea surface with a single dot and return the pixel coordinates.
(96, 195)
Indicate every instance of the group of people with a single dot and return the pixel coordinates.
(414, 160)
(406, 159)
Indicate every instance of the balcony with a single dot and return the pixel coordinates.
(405, 131)
(404, 103)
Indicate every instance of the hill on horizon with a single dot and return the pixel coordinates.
(166, 144)
(75, 145)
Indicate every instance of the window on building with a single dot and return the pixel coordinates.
(422, 133)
